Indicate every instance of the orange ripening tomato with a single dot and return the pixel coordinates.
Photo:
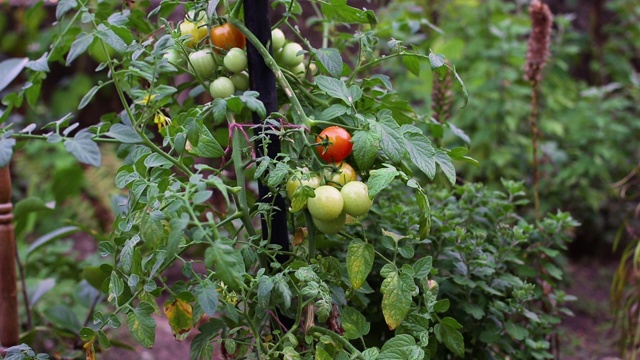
(226, 36)
(340, 144)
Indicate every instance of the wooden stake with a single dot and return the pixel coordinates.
(9, 326)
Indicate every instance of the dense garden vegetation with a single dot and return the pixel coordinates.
(397, 183)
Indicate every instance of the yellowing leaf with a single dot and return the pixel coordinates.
(396, 299)
(180, 316)
(359, 262)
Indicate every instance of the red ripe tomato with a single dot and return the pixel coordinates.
(339, 147)
(226, 37)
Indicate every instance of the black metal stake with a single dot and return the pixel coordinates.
(262, 80)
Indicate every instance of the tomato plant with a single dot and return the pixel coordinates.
(338, 142)
(292, 54)
(226, 37)
(277, 39)
(240, 81)
(195, 32)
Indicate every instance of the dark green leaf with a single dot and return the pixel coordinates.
(451, 338)
(518, 332)
(63, 317)
(331, 60)
(207, 146)
(422, 267)
(334, 87)
(412, 64)
(365, 148)
(333, 112)
(157, 160)
(339, 11)
(391, 140)
(421, 153)
(447, 167)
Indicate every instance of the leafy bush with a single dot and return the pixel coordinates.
(498, 276)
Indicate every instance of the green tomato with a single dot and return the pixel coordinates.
(235, 60)
(277, 39)
(339, 174)
(290, 56)
(240, 81)
(356, 198)
(299, 70)
(327, 204)
(333, 226)
(201, 63)
(222, 87)
(174, 56)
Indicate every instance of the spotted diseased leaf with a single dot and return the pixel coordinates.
(365, 148)
(360, 257)
(180, 316)
(397, 289)
(142, 325)
(354, 323)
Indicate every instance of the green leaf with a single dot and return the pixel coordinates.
(86, 99)
(331, 60)
(333, 112)
(227, 261)
(354, 323)
(42, 64)
(436, 60)
(412, 63)
(422, 267)
(10, 69)
(518, 332)
(157, 160)
(403, 347)
(360, 256)
(250, 99)
(126, 256)
(142, 325)
(391, 141)
(110, 37)
(87, 334)
(397, 289)
(207, 146)
(322, 354)
(63, 317)
(202, 196)
(265, 285)
(421, 153)
(29, 205)
(380, 179)
(79, 46)
(339, 11)
(441, 306)
(123, 133)
(365, 148)
(451, 338)
(51, 236)
(447, 167)
(335, 88)
(64, 6)
(43, 287)
(6, 150)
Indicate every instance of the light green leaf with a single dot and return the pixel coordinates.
(380, 179)
(331, 60)
(397, 290)
(447, 167)
(123, 133)
(354, 323)
(334, 87)
(391, 140)
(10, 69)
(142, 325)
(421, 153)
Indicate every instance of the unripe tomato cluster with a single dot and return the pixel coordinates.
(289, 55)
(337, 193)
(216, 56)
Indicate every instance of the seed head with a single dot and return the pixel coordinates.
(539, 40)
